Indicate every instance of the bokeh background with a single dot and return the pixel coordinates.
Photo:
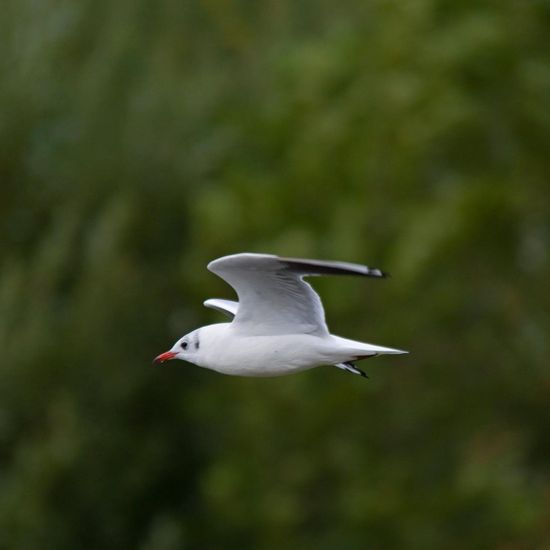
(140, 139)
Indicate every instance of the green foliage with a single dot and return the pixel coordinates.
(139, 140)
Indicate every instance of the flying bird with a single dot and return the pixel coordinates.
(278, 325)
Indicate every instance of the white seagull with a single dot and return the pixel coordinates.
(278, 325)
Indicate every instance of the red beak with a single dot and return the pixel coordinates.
(166, 356)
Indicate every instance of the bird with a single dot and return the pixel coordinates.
(277, 325)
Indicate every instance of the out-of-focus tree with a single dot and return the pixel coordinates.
(139, 140)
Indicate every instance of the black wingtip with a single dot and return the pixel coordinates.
(379, 273)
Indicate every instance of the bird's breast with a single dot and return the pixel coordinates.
(264, 355)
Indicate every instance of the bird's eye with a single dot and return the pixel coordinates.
(184, 345)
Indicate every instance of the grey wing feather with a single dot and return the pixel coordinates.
(228, 307)
(273, 297)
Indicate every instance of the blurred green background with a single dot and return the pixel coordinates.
(141, 139)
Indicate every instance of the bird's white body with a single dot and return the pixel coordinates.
(279, 325)
(222, 349)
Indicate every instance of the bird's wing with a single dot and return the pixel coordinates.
(273, 297)
(229, 307)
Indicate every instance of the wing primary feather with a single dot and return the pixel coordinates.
(314, 267)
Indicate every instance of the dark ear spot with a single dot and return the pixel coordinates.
(197, 345)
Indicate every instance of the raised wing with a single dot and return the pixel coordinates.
(273, 297)
(229, 307)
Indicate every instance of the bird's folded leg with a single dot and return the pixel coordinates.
(350, 367)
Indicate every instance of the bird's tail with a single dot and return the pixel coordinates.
(362, 350)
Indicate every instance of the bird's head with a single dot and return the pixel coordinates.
(186, 349)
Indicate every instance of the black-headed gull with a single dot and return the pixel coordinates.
(278, 324)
